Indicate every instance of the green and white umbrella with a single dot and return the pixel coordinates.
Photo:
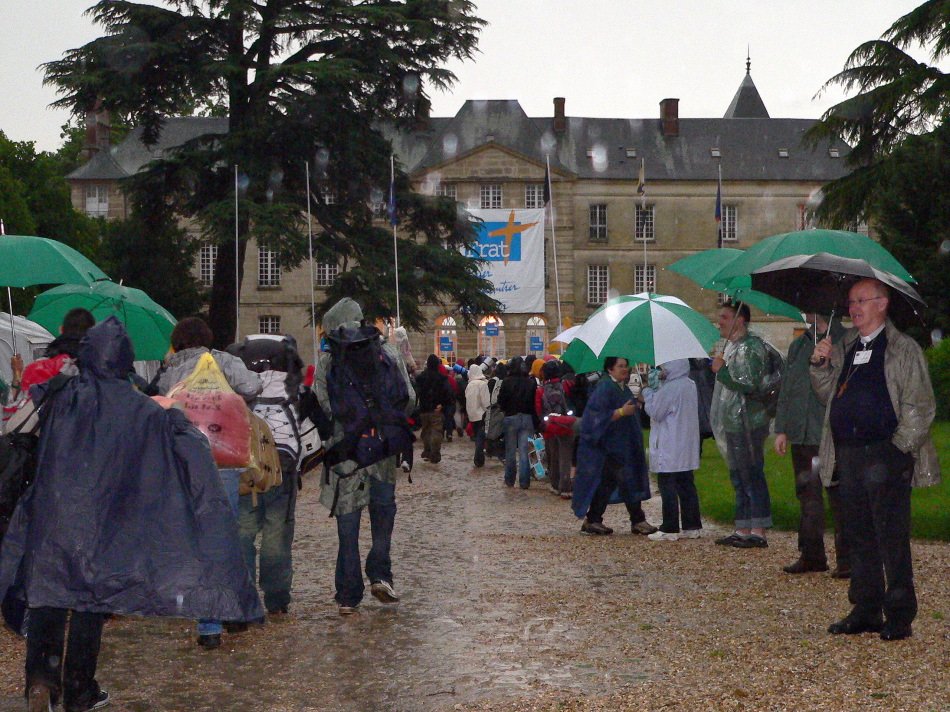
(642, 328)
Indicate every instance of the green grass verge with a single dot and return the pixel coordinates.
(930, 506)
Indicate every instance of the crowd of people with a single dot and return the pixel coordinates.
(97, 534)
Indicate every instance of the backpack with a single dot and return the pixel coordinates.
(282, 420)
(553, 399)
(18, 450)
(263, 471)
(368, 397)
(768, 392)
(494, 418)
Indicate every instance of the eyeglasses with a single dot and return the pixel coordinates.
(860, 302)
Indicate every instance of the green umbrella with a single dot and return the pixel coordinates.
(704, 267)
(26, 260)
(642, 328)
(810, 242)
(148, 324)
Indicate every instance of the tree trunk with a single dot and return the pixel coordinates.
(222, 317)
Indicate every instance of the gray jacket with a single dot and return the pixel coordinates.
(912, 396)
(180, 365)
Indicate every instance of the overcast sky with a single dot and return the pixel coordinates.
(608, 58)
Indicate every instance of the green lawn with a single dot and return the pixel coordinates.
(930, 506)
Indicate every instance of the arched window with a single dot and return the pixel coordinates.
(536, 336)
(446, 339)
(491, 337)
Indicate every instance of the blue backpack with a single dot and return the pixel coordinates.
(368, 396)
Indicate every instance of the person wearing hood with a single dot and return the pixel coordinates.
(129, 517)
(798, 419)
(347, 489)
(516, 399)
(190, 340)
(477, 399)
(435, 397)
(674, 449)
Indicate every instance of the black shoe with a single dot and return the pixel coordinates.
(753, 541)
(597, 528)
(101, 700)
(803, 566)
(210, 642)
(729, 540)
(235, 626)
(855, 623)
(893, 631)
(281, 611)
(840, 573)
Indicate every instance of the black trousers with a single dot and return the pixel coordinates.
(811, 525)
(875, 501)
(608, 482)
(73, 678)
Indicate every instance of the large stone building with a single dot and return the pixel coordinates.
(608, 236)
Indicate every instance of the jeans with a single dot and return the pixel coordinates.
(382, 517)
(518, 429)
(679, 496)
(746, 462)
(609, 481)
(875, 498)
(230, 479)
(74, 680)
(273, 519)
(479, 427)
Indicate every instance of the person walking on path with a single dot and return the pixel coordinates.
(674, 449)
(553, 407)
(610, 454)
(516, 399)
(190, 340)
(798, 420)
(876, 440)
(347, 489)
(435, 396)
(477, 399)
(129, 516)
(741, 425)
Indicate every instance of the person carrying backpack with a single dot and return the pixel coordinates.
(348, 486)
(435, 398)
(477, 399)
(271, 514)
(557, 420)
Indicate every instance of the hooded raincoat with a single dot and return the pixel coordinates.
(674, 420)
(127, 513)
(622, 440)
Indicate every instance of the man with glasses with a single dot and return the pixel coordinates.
(876, 443)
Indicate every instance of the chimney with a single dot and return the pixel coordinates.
(670, 116)
(98, 130)
(560, 122)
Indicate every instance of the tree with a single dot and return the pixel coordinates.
(303, 82)
(897, 127)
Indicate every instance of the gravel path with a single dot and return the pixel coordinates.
(506, 606)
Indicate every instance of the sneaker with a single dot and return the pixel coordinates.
(38, 699)
(691, 534)
(383, 591)
(643, 527)
(210, 642)
(348, 610)
(597, 528)
(101, 700)
(663, 536)
(567, 495)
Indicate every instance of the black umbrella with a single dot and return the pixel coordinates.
(820, 283)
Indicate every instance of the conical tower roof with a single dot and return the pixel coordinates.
(747, 104)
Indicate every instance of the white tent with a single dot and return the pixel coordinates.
(31, 342)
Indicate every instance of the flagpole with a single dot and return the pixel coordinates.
(3, 231)
(237, 262)
(392, 219)
(313, 311)
(557, 279)
(719, 206)
(642, 190)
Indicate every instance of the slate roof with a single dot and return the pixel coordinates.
(130, 155)
(749, 143)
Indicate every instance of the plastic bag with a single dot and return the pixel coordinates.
(217, 411)
(263, 469)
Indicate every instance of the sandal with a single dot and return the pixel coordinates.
(753, 541)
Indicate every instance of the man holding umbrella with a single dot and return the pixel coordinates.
(876, 442)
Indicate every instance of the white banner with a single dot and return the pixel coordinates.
(511, 245)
